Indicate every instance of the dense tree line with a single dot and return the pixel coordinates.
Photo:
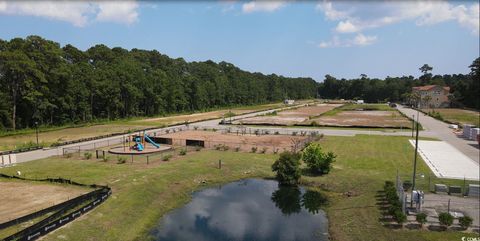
(464, 89)
(43, 82)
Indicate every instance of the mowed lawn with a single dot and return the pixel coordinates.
(48, 137)
(460, 116)
(142, 194)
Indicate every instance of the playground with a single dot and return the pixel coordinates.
(139, 144)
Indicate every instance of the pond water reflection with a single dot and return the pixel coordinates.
(251, 209)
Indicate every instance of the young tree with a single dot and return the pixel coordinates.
(445, 219)
(465, 221)
(287, 168)
(318, 161)
(421, 218)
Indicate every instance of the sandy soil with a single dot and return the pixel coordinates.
(364, 118)
(289, 117)
(243, 142)
(20, 198)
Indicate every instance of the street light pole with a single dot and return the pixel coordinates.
(414, 166)
(36, 130)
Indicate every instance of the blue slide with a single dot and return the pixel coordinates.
(147, 138)
(139, 145)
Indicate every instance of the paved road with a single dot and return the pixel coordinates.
(440, 130)
(39, 154)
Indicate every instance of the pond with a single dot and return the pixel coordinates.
(251, 209)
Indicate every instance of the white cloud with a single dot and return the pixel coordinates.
(262, 6)
(118, 12)
(363, 40)
(358, 40)
(330, 12)
(78, 13)
(362, 16)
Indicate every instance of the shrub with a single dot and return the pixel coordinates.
(254, 149)
(166, 157)
(277, 133)
(264, 150)
(105, 158)
(275, 150)
(317, 161)
(314, 123)
(198, 148)
(68, 155)
(421, 218)
(214, 130)
(465, 221)
(87, 155)
(287, 168)
(195, 127)
(400, 217)
(183, 152)
(445, 219)
(237, 149)
(294, 133)
(121, 160)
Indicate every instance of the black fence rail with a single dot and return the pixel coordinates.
(63, 213)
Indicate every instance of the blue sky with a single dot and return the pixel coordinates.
(298, 39)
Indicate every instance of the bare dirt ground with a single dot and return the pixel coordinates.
(364, 119)
(289, 117)
(243, 142)
(19, 198)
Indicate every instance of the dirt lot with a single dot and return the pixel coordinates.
(243, 142)
(364, 119)
(19, 198)
(289, 117)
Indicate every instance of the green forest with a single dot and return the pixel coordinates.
(43, 82)
(464, 89)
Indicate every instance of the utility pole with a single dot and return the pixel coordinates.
(414, 166)
(413, 124)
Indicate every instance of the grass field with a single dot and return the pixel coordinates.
(143, 193)
(459, 116)
(10, 141)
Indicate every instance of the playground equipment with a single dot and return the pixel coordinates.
(139, 141)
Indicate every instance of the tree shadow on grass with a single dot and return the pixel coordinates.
(393, 226)
(436, 228)
(413, 226)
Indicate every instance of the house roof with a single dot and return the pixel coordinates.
(429, 87)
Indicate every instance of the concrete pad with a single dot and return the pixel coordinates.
(446, 161)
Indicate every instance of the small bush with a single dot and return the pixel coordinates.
(214, 130)
(446, 219)
(275, 151)
(195, 127)
(237, 149)
(400, 217)
(198, 148)
(314, 123)
(121, 160)
(254, 149)
(277, 133)
(294, 133)
(166, 157)
(183, 152)
(87, 155)
(264, 150)
(257, 132)
(465, 221)
(318, 161)
(69, 155)
(105, 158)
(421, 218)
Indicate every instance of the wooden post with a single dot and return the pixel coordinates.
(132, 158)
(147, 160)
(220, 164)
(96, 154)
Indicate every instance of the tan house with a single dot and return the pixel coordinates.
(438, 96)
